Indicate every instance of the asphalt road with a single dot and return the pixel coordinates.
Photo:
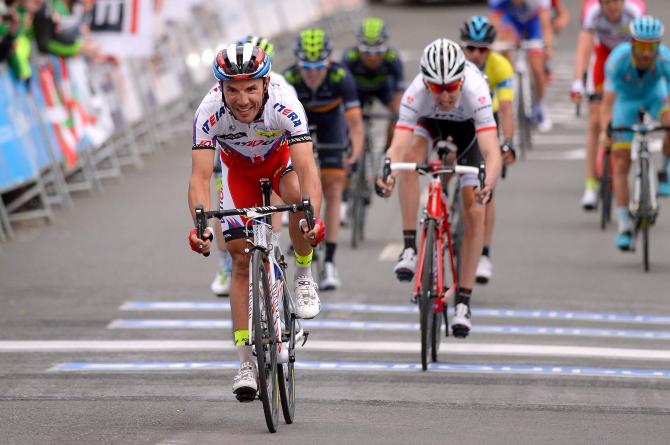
(108, 332)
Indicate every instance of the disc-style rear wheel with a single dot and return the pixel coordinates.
(265, 342)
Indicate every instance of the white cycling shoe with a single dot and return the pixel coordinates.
(461, 324)
(221, 284)
(484, 270)
(307, 303)
(245, 383)
(331, 279)
(589, 199)
(406, 265)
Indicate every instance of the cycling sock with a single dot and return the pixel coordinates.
(330, 252)
(225, 261)
(591, 184)
(303, 265)
(463, 296)
(241, 338)
(486, 251)
(410, 239)
(622, 219)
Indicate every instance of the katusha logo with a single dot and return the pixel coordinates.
(213, 119)
(288, 113)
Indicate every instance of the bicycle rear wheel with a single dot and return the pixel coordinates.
(358, 204)
(605, 191)
(286, 371)
(265, 342)
(425, 302)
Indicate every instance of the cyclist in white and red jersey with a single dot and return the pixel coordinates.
(605, 25)
(448, 100)
(261, 131)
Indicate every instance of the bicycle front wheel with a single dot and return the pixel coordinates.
(425, 292)
(265, 341)
(644, 211)
(605, 192)
(286, 370)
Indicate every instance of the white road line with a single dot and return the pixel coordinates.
(447, 348)
(390, 252)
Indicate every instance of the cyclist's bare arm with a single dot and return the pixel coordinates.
(507, 119)
(583, 53)
(354, 119)
(302, 157)
(490, 149)
(606, 109)
(400, 144)
(202, 166)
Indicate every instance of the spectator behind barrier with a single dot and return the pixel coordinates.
(9, 26)
(61, 27)
(19, 58)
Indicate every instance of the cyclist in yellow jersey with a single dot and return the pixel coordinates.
(477, 36)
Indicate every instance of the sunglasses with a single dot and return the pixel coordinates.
(438, 89)
(313, 66)
(645, 46)
(375, 50)
(472, 48)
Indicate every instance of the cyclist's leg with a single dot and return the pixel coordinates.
(663, 114)
(624, 113)
(220, 286)
(595, 79)
(532, 31)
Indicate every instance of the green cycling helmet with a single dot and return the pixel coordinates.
(372, 32)
(261, 42)
(312, 45)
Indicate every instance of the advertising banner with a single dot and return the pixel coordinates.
(124, 28)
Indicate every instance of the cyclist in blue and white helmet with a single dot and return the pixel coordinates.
(637, 75)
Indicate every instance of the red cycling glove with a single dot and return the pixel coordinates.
(194, 246)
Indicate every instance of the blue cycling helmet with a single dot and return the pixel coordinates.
(241, 61)
(478, 30)
(646, 29)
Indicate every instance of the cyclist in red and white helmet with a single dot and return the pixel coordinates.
(448, 100)
(261, 131)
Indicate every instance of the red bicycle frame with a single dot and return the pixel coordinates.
(437, 210)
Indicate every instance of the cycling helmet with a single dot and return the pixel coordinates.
(442, 62)
(261, 42)
(478, 30)
(312, 45)
(241, 61)
(646, 29)
(372, 32)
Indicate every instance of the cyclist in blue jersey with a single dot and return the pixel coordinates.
(377, 68)
(528, 20)
(636, 78)
(327, 91)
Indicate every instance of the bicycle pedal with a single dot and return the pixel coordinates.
(304, 338)
(245, 395)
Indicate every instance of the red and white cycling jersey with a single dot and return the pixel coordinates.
(473, 104)
(250, 152)
(610, 34)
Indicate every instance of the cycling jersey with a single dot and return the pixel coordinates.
(500, 75)
(382, 83)
(473, 113)
(606, 35)
(249, 152)
(635, 90)
(524, 19)
(325, 108)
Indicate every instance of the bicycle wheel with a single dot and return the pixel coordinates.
(522, 122)
(435, 334)
(605, 184)
(357, 204)
(644, 211)
(265, 342)
(425, 302)
(286, 371)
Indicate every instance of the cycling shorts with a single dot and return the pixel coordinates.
(595, 79)
(530, 30)
(625, 110)
(462, 134)
(240, 186)
(385, 94)
(331, 129)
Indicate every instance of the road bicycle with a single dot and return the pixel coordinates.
(274, 329)
(430, 289)
(643, 206)
(605, 191)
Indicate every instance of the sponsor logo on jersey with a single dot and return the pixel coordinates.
(288, 113)
(213, 119)
(269, 134)
(482, 99)
(233, 136)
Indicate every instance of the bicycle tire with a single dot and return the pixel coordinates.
(425, 302)
(606, 192)
(644, 211)
(357, 205)
(264, 340)
(435, 335)
(286, 371)
(521, 116)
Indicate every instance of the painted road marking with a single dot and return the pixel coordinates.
(376, 367)
(412, 309)
(363, 325)
(390, 347)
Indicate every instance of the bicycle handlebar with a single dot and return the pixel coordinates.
(639, 128)
(524, 45)
(434, 169)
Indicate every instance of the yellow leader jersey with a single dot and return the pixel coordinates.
(500, 74)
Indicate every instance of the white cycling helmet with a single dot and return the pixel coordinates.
(442, 62)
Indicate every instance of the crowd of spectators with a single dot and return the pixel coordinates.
(58, 27)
